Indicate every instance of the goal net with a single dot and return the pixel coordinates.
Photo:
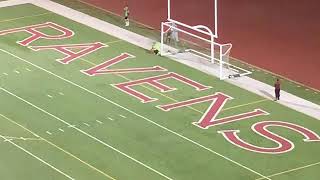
(196, 43)
(183, 38)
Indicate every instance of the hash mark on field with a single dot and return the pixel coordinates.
(16, 71)
(5, 74)
(61, 130)
(110, 119)
(28, 69)
(87, 124)
(48, 132)
(122, 116)
(99, 122)
(60, 93)
(49, 96)
(21, 138)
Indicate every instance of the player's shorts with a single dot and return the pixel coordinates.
(156, 51)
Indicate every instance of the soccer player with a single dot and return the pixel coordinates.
(174, 34)
(277, 89)
(126, 15)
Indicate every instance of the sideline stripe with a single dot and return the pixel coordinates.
(49, 142)
(138, 115)
(36, 157)
(87, 134)
(291, 170)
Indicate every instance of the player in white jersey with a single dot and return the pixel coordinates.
(126, 15)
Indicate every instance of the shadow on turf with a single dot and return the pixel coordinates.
(267, 94)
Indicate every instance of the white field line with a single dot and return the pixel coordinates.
(99, 122)
(49, 142)
(87, 134)
(21, 138)
(61, 130)
(36, 157)
(87, 124)
(49, 96)
(122, 116)
(291, 170)
(16, 71)
(138, 115)
(23, 17)
(110, 119)
(48, 132)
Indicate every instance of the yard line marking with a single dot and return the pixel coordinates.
(60, 93)
(5, 74)
(99, 122)
(49, 96)
(61, 130)
(54, 145)
(122, 116)
(16, 71)
(241, 105)
(138, 115)
(87, 124)
(39, 159)
(48, 132)
(87, 134)
(110, 119)
(115, 41)
(291, 170)
(22, 17)
(28, 69)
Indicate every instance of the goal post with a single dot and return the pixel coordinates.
(199, 40)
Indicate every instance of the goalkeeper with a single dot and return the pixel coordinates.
(156, 48)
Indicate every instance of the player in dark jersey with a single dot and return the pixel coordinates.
(277, 89)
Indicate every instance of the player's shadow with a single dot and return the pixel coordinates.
(267, 94)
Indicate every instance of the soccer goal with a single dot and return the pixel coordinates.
(199, 41)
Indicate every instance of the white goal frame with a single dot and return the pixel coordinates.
(209, 33)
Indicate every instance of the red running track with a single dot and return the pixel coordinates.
(280, 36)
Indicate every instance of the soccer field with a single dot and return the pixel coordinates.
(112, 110)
